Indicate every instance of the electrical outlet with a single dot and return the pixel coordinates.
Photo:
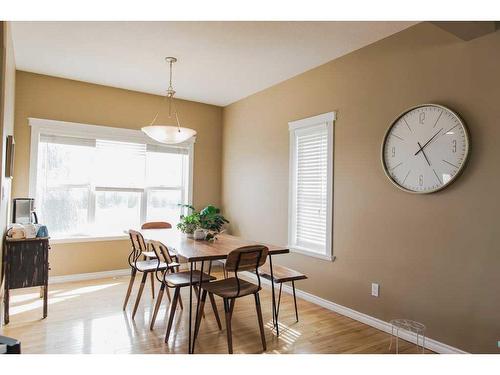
(375, 289)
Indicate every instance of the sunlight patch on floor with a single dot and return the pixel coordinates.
(29, 296)
(36, 304)
(20, 302)
(287, 334)
(86, 289)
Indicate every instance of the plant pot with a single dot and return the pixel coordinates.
(189, 235)
(199, 234)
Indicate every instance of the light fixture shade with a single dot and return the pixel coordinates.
(168, 134)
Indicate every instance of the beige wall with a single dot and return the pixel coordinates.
(61, 99)
(437, 256)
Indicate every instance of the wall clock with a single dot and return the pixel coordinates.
(425, 148)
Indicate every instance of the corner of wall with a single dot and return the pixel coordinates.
(7, 90)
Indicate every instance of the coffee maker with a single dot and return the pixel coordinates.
(23, 211)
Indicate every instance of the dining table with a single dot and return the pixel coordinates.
(200, 251)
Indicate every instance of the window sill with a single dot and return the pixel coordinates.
(88, 239)
(303, 251)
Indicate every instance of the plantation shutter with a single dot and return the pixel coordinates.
(311, 188)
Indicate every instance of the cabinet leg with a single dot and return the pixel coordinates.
(45, 300)
(6, 306)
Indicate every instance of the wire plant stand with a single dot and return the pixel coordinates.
(410, 326)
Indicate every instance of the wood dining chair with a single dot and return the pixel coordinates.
(172, 278)
(156, 225)
(247, 258)
(148, 254)
(145, 266)
(281, 275)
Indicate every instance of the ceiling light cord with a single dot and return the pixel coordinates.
(170, 97)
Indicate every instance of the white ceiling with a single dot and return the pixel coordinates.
(219, 62)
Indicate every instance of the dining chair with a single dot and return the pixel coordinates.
(150, 254)
(246, 258)
(281, 275)
(145, 266)
(175, 279)
(156, 225)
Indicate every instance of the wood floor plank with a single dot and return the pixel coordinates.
(87, 317)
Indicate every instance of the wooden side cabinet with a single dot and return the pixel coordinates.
(26, 265)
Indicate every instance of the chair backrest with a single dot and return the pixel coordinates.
(138, 246)
(161, 251)
(156, 225)
(246, 258)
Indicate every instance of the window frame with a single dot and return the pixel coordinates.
(72, 129)
(329, 120)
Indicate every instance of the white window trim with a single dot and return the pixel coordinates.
(328, 119)
(74, 129)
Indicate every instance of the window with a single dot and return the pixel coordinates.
(92, 181)
(311, 180)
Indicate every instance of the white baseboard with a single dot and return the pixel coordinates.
(88, 276)
(430, 344)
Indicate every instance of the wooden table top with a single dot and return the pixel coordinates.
(194, 251)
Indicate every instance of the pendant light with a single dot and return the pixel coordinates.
(170, 134)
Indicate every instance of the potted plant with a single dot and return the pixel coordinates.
(189, 223)
(210, 220)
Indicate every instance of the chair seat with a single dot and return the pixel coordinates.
(151, 265)
(228, 288)
(152, 255)
(181, 279)
(281, 274)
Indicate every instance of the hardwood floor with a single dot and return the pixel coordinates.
(87, 317)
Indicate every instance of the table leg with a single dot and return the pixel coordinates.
(198, 302)
(190, 305)
(275, 317)
(392, 336)
(397, 340)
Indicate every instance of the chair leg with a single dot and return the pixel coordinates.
(228, 326)
(196, 293)
(130, 285)
(157, 306)
(295, 302)
(278, 306)
(168, 295)
(139, 294)
(216, 311)
(231, 306)
(152, 285)
(180, 297)
(200, 311)
(173, 305)
(261, 323)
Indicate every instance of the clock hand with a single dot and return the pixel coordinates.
(426, 143)
(423, 152)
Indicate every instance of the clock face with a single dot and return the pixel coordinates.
(425, 148)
